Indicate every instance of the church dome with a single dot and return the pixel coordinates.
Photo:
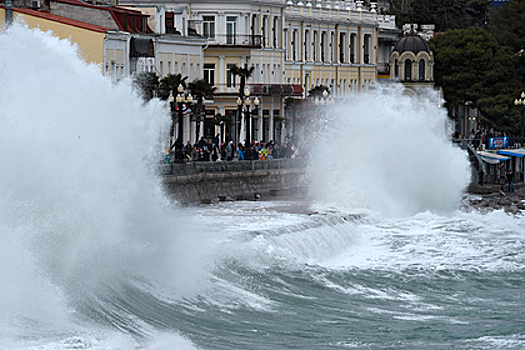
(412, 43)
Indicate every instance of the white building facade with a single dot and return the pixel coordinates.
(292, 45)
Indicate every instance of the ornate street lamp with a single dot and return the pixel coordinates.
(198, 116)
(324, 100)
(521, 104)
(246, 102)
(181, 98)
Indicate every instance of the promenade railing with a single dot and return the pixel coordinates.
(193, 168)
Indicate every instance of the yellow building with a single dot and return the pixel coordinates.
(88, 37)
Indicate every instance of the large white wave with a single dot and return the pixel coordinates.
(389, 153)
(81, 206)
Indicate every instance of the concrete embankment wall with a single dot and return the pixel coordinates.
(207, 181)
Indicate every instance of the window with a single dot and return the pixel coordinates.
(161, 68)
(408, 70)
(208, 26)
(366, 45)
(253, 25)
(169, 22)
(169, 67)
(275, 30)
(323, 46)
(265, 30)
(306, 44)
(231, 30)
(421, 69)
(230, 77)
(315, 48)
(192, 76)
(294, 45)
(286, 48)
(209, 73)
(352, 48)
(332, 47)
(266, 125)
(342, 47)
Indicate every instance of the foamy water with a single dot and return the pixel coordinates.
(389, 153)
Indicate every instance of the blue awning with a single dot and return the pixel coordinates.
(492, 158)
(513, 152)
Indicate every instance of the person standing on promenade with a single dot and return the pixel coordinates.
(229, 151)
(240, 151)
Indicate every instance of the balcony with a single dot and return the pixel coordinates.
(251, 41)
(273, 90)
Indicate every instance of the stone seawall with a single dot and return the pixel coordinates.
(236, 180)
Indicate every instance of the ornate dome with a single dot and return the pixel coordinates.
(413, 43)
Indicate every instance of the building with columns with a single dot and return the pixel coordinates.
(292, 45)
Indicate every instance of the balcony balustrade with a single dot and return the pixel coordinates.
(252, 41)
(274, 90)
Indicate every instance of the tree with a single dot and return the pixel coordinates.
(200, 89)
(147, 84)
(507, 24)
(244, 74)
(445, 14)
(170, 83)
(471, 66)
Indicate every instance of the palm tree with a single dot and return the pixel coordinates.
(244, 73)
(200, 89)
(170, 83)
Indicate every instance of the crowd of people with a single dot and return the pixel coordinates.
(213, 150)
(479, 137)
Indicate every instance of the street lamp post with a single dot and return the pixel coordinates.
(520, 102)
(198, 116)
(323, 100)
(180, 156)
(171, 99)
(246, 101)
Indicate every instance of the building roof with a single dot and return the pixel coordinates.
(412, 43)
(125, 19)
(60, 19)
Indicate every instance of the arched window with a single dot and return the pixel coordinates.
(421, 69)
(408, 70)
(396, 69)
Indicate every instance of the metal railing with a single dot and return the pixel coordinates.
(193, 168)
(276, 90)
(236, 40)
